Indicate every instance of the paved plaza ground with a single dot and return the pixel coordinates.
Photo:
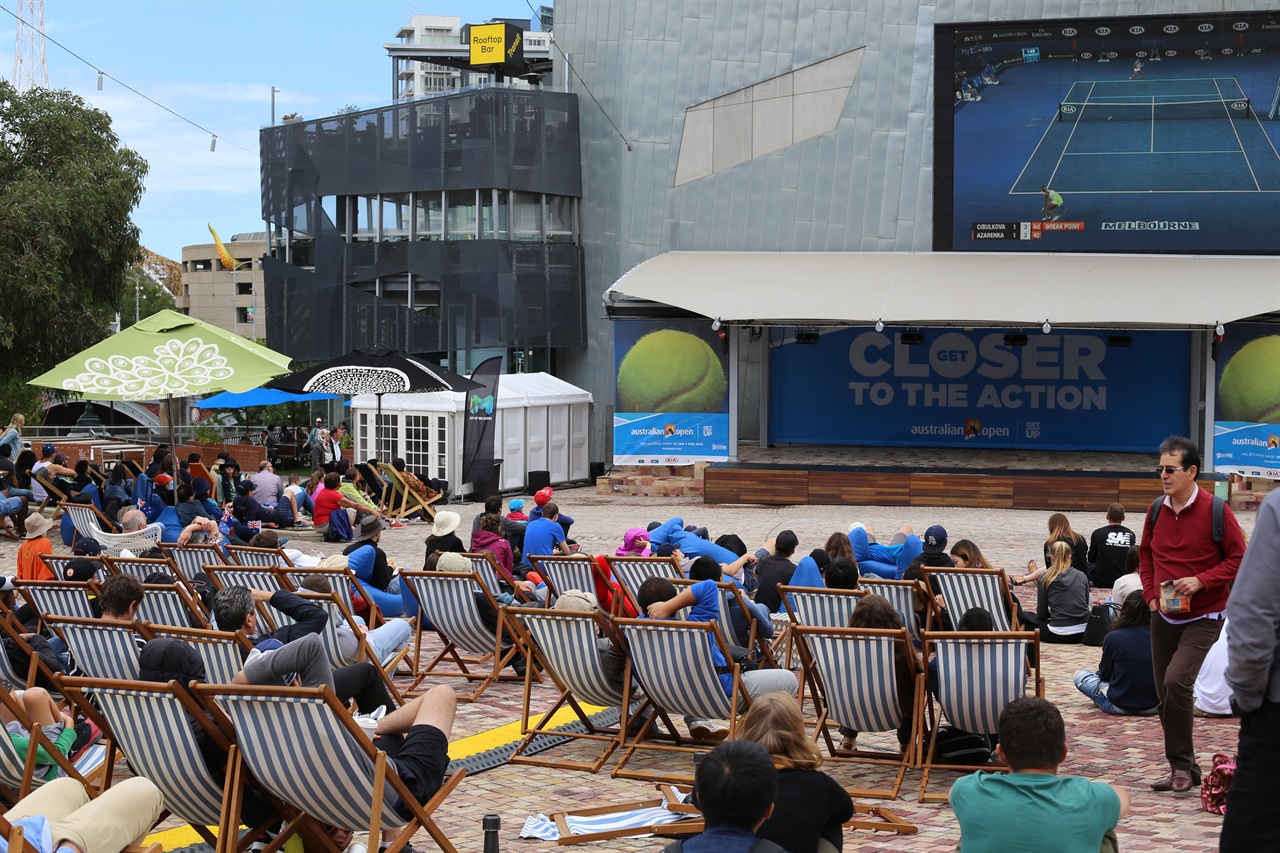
(1125, 751)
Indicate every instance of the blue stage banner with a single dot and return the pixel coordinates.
(1071, 390)
(1246, 428)
(672, 384)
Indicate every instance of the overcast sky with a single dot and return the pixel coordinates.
(215, 63)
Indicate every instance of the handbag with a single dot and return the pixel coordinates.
(1216, 783)
(1101, 617)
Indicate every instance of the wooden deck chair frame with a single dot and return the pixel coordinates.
(550, 659)
(932, 641)
(896, 591)
(341, 578)
(86, 659)
(94, 783)
(191, 606)
(364, 652)
(35, 666)
(560, 572)
(496, 660)
(271, 581)
(143, 567)
(52, 495)
(410, 501)
(258, 558)
(219, 669)
(794, 617)
(382, 499)
(731, 592)
(808, 639)
(34, 593)
(654, 687)
(626, 573)
(196, 557)
(1003, 611)
(57, 563)
(217, 697)
(199, 469)
(88, 520)
(227, 839)
(493, 573)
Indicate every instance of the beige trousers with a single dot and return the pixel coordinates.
(120, 817)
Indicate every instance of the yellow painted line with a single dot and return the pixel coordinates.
(185, 836)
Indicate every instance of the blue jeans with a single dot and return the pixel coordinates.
(1095, 688)
(60, 649)
(15, 492)
(391, 636)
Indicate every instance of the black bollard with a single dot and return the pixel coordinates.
(492, 823)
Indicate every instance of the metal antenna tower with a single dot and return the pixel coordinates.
(30, 67)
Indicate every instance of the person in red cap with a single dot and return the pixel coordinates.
(541, 498)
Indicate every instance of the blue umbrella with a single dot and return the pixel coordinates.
(259, 397)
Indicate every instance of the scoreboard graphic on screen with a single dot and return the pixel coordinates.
(1020, 230)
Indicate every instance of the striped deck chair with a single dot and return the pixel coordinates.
(219, 651)
(190, 560)
(979, 673)
(818, 607)
(254, 577)
(89, 521)
(57, 598)
(52, 495)
(493, 575)
(342, 784)
(140, 567)
(57, 563)
(135, 542)
(853, 675)
(630, 572)
(449, 603)
(170, 604)
(673, 662)
(907, 597)
(14, 677)
(341, 580)
(18, 777)
(261, 557)
(339, 614)
(964, 589)
(152, 724)
(731, 593)
(564, 642)
(102, 648)
(562, 574)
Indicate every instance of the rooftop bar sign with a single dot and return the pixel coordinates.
(496, 44)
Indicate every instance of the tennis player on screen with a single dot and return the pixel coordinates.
(1137, 70)
(1053, 203)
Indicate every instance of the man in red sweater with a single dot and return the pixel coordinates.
(1179, 547)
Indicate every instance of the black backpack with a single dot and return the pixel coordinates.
(1219, 517)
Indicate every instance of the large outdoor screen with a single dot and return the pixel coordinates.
(1142, 134)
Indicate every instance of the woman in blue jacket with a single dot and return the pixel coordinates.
(1124, 683)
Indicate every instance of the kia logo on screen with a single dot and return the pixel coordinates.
(1137, 31)
(1240, 25)
(1069, 31)
(1226, 51)
(1103, 31)
(1111, 54)
(1086, 56)
(1171, 28)
(1205, 28)
(1170, 53)
(1141, 54)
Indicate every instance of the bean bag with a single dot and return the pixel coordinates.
(361, 563)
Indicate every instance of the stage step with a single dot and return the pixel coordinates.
(654, 481)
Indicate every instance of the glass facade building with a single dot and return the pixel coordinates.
(446, 226)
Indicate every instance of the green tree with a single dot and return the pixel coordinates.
(142, 297)
(67, 188)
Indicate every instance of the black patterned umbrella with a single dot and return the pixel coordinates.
(376, 370)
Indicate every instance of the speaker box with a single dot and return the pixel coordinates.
(539, 480)
(597, 471)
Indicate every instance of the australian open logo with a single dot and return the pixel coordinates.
(480, 404)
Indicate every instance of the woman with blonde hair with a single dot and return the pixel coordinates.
(1059, 531)
(13, 434)
(1062, 599)
(810, 807)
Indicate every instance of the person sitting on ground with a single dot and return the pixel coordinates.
(734, 787)
(810, 807)
(297, 499)
(35, 543)
(658, 599)
(9, 475)
(841, 574)
(384, 640)
(1130, 580)
(1062, 600)
(1059, 531)
(635, 543)
(540, 500)
(707, 569)
(1125, 683)
(235, 609)
(267, 485)
(773, 567)
(1109, 547)
(544, 537)
(189, 508)
(330, 500)
(13, 510)
(875, 611)
(488, 537)
(251, 516)
(1070, 813)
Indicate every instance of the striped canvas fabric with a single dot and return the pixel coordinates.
(675, 667)
(191, 559)
(630, 573)
(219, 652)
(254, 578)
(977, 678)
(901, 595)
(859, 680)
(153, 730)
(545, 829)
(85, 520)
(59, 600)
(338, 581)
(565, 573)
(963, 591)
(103, 650)
(264, 558)
(819, 608)
(58, 564)
(449, 605)
(488, 575)
(568, 643)
(331, 780)
(140, 568)
(164, 607)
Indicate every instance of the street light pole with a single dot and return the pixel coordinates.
(273, 105)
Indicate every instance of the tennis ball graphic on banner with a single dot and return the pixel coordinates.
(671, 371)
(1250, 386)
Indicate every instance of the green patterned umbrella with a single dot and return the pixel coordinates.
(166, 355)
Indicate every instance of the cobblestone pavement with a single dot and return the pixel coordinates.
(1123, 750)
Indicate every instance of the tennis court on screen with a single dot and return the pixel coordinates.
(1188, 135)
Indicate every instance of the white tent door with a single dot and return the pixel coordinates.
(579, 441)
(536, 440)
(511, 426)
(558, 443)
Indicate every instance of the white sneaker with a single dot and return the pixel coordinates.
(709, 730)
(373, 716)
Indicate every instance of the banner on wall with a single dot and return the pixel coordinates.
(1096, 390)
(672, 387)
(1246, 427)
